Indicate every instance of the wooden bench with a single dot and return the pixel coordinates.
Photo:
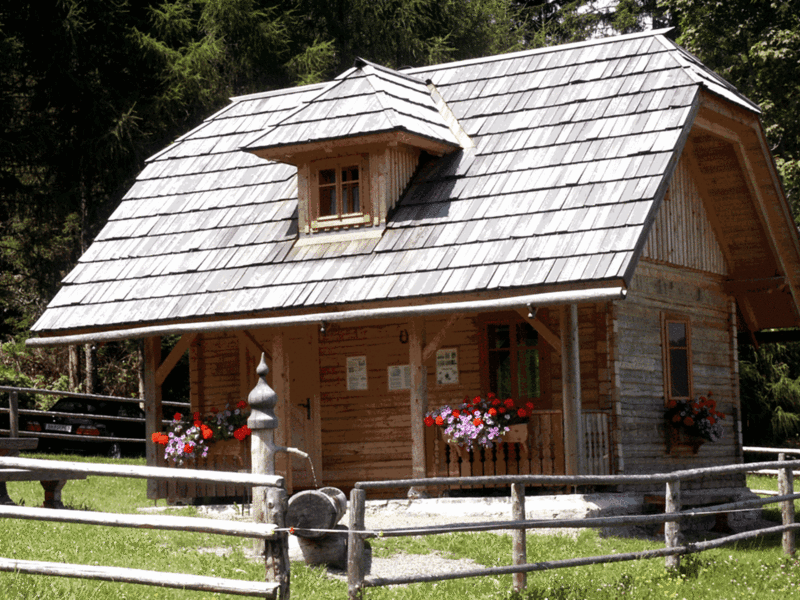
(52, 481)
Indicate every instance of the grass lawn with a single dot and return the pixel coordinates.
(756, 569)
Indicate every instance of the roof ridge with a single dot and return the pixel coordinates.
(542, 50)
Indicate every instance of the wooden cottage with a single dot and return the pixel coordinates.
(590, 227)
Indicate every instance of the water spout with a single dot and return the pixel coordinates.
(301, 454)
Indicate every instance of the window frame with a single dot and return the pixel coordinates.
(666, 347)
(319, 222)
(513, 321)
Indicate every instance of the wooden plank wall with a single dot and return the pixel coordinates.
(682, 234)
(657, 290)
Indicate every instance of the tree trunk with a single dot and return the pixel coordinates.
(74, 369)
(90, 350)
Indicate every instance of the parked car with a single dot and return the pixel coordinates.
(78, 420)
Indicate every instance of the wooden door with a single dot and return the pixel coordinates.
(304, 415)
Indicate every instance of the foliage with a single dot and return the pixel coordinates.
(756, 46)
(478, 421)
(770, 394)
(698, 417)
(190, 435)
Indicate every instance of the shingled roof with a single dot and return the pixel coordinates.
(574, 147)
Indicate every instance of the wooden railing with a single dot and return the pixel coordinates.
(262, 531)
(672, 517)
(541, 454)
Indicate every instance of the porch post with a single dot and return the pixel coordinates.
(571, 390)
(153, 412)
(419, 401)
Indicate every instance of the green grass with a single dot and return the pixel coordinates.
(756, 569)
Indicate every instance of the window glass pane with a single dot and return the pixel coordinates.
(677, 335)
(500, 373)
(528, 373)
(327, 201)
(679, 372)
(356, 202)
(527, 336)
(499, 336)
(327, 176)
(350, 174)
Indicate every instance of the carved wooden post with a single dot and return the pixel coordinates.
(571, 391)
(13, 427)
(672, 529)
(518, 536)
(269, 504)
(786, 487)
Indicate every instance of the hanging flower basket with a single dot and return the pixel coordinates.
(691, 423)
(681, 442)
(481, 422)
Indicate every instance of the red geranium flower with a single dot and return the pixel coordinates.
(476, 400)
(207, 432)
(197, 416)
(522, 413)
(241, 404)
(439, 420)
(497, 402)
(177, 416)
(456, 413)
(197, 423)
(429, 421)
(477, 422)
(493, 411)
(242, 432)
(188, 449)
(509, 403)
(529, 404)
(688, 421)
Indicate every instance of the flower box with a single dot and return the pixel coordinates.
(516, 434)
(682, 443)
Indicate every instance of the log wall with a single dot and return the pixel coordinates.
(658, 290)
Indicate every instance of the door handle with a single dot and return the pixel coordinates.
(307, 406)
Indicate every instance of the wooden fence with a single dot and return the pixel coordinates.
(261, 531)
(671, 518)
(14, 412)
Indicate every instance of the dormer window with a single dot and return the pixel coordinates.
(339, 192)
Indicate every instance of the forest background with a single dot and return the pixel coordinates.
(90, 88)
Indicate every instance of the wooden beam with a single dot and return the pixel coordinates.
(153, 412)
(548, 336)
(580, 296)
(174, 356)
(763, 284)
(280, 383)
(419, 398)
(571, 391)
(437, 340)
(250, 340)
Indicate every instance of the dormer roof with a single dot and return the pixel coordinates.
(366, 103)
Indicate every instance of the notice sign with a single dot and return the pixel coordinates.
(399, 377)
(447, 366)
(356, 372)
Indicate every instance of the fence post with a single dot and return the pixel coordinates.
(269, 504)
(520, 556)
(355, 545)
(786, 487)
(13, 414)
(672, 529)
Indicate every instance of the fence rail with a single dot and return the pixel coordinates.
(671, 518)
(260, 531)
(14, 412)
